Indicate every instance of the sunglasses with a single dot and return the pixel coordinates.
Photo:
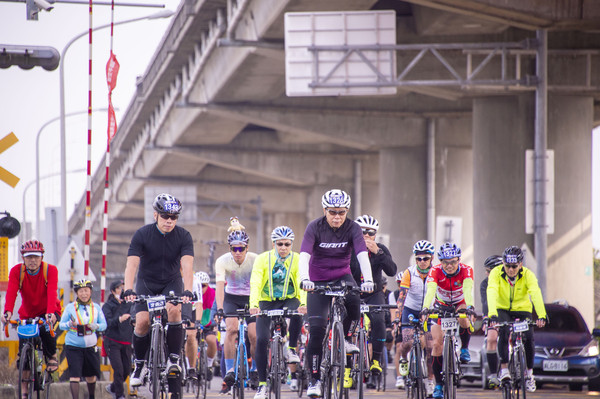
(369, 232)
(281, 244)
(166, 216)
(511, 266)
(204, 285)
(427, 258)
(334, 213)
(237, 249)
(450, 262)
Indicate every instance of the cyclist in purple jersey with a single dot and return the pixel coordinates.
(325, 254)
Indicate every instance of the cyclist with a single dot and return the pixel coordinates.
(117, 339)
(275, 284)
(410, 302)
(325, 258)
(451, 285)
(81, 319)
(162, 255)
(510, 293)
(37, 282)
(491, 334)
(201, 316)
(233, 271)
(381, 262)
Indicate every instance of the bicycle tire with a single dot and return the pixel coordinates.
(276, 368)
(449, 368)
(418, 374)
(26, 358)
(335, 385)
(242, 355)
(156, 359)
(200, 386)
(362, 359)
(384, 362)
(301, 373)
(47, 381)
(521, 387)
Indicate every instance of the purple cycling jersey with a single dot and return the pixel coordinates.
(330, 250)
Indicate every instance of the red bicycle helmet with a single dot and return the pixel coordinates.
(32, 246)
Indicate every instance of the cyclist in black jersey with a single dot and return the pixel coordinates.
(381, 262)
(162, 255)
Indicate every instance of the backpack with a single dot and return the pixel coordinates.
(44, 271)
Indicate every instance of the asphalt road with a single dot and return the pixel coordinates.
(466, 391)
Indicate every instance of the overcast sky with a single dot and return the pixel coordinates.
(29, 99)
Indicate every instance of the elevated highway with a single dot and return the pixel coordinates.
(211, 113)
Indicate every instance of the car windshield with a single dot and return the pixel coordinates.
(565, 320)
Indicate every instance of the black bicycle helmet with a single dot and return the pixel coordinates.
(492, 261)
(166, 203)
(513, 255)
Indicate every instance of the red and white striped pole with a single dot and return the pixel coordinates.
(112, 70)
(88, 186)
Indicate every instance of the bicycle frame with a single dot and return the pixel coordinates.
(241, 355)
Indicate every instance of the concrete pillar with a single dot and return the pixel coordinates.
(503, 128)
(570, 273)
(502, 131)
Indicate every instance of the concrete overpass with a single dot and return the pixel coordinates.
(211, 113)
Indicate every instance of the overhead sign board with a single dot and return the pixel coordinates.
(345, 49)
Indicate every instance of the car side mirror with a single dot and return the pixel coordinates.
(596, 332)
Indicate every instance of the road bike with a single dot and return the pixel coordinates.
(302, 373)
(514, 388)
(277, 374)
(334, 354)
(451, 372)
(417, 367)
(33, 376)
(241, 367)
(198, 384)
(157, 355)
(380, 379)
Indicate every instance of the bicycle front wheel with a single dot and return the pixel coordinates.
(26, 372)
(449, 369)
(362, 362)
(156, 357)
(276, 370)
(521, 391)
(202, 371)
(335, 385)
(240, 380)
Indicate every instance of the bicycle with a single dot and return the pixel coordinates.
(30, 359)
(514, 388)
(157, 355)
(198, 385)
(277, 368)
(417, 368)
(241, 367)
(302, 374)
(380, 379)
(451, 371)
(334, 356)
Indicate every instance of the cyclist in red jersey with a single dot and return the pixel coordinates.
(451, 285)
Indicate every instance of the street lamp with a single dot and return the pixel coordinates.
(37, 163)
(63, 143)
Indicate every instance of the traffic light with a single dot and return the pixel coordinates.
(27, 57)
(9, 226)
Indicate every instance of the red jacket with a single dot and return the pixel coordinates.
(37, 299)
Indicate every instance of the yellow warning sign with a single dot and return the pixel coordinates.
(3, 258)
(6, 142)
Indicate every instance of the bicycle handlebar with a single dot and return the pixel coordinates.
(335, 290)
(285, 312)
(35, 320)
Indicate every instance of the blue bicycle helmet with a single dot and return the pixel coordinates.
(238, 237)
(448, 251)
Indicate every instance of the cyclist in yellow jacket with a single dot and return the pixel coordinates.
(275, 284)
(511, 290)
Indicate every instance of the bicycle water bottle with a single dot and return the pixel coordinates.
(38, 363)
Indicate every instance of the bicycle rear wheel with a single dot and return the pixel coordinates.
(202, 371)
(335, 385)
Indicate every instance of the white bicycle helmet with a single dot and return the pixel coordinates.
(202, 277)
(367, 222)
(282, 233)
(423, 246)
(336, 199)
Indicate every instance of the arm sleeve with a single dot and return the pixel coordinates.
(365, 266)
(112, 320)
(468, 291)
(101, 320)
(66, 316)
(12, 289)
(52, 289)
(256, 280)
(536, 294)
(303, 262)
(492, 293)
(483, 294)
(429, 294)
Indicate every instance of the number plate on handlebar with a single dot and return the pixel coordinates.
(364, 308)
(521, 326)
(275, 312)
(449, 323)
(157, 303)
